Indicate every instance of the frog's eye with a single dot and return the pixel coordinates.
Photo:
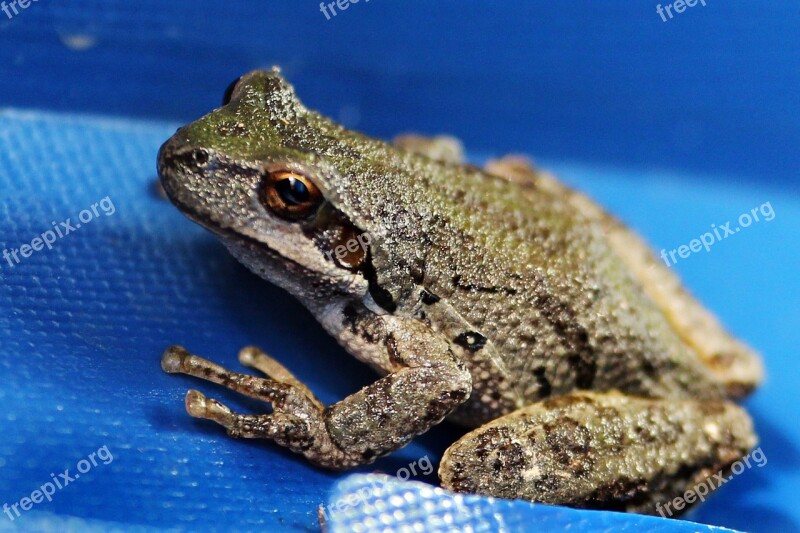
(290, 195)
(226, 99)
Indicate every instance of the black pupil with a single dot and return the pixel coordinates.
(293, 191)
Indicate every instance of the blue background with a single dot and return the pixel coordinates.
(673, 125)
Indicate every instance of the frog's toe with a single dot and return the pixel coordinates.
(195, 402)
(515, 168)
(247, 355)
(172, 359)
(198, 406)
(253, 357)
(286, 429)
(444, 148)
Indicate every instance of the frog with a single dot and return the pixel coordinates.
(495, 297)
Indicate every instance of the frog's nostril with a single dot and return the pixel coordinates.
(200, 157)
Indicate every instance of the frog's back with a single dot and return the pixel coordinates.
(563, 309)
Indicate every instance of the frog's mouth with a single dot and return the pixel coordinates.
(173, 159)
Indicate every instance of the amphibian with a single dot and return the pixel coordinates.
(495, 297)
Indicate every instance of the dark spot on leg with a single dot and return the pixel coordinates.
(618, 495)
(358, 324)
(471, 341)
(439, 407)
(571, 444)
(417, 273)
(392, 350)
(649, 368)
(368, 454)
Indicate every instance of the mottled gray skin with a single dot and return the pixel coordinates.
(482, 292)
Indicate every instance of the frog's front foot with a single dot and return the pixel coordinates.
(428, 384)
(297, 421)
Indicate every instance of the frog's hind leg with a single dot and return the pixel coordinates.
(730, 361)
(601, 450)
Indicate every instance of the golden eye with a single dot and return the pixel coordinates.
(290, 195)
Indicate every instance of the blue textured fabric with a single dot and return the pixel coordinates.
(362, 503)
(82, 327)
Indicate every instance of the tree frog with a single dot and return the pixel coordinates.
(495, 297)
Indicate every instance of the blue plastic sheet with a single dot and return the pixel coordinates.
(605, 94)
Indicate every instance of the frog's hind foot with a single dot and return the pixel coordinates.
(442, 148)
(515, 168)
(602, 451)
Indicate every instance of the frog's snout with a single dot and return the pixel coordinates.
(165, 161)
(177, 152)
(180, 162)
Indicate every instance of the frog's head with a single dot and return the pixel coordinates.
(263, 173)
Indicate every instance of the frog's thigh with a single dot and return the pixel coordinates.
(441, 148)
(733, 363)
(599, 450)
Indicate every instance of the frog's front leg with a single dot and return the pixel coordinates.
(427, 384)
(601, 450)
